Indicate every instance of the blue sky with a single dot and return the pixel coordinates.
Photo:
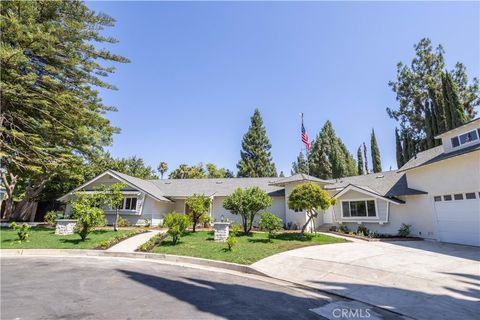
(199, 70)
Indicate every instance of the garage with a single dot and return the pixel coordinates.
(458, 218)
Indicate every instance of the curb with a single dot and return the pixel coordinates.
(135, 255)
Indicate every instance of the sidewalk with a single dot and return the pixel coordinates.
(131, 244)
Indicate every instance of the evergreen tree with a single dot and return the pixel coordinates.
(301, 165)
(367, 171)
(455, 110)
(360, 161)
(53, 62)
(328, 157)
(431, 99)
(376, 161)
(281, 175)
(256, 159)
(399, 150)
(162, 168)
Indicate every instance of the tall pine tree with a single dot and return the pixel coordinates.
(399, 150)
(255, 156)
(376, 161)
(454, 108)
(329, 157)
(367, 171)
(301, 165)
(360, 161)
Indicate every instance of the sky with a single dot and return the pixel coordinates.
(199, 69)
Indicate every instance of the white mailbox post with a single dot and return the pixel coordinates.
(221, 230)
(65, 226)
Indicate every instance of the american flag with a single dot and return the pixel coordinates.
(305, 137)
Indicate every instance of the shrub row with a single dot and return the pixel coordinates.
(150, 244)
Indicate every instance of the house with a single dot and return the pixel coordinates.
(437, 192)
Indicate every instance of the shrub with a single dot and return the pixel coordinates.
(206, 221)
(270, 223)
(362, 230)
(232, 237)
(176, 223)
(22, 230)
(88, 215)
(51, 216)
(343, 228)
(123, 223)
(404, 230)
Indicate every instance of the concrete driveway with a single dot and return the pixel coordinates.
(420, 279)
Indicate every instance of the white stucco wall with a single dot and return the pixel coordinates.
(277, 208)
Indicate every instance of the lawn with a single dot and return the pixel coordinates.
(45, 238)
(249, 249)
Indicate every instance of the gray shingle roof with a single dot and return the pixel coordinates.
(297, 177)
(434, 155)
(216, 187)
(142, 184)
(388, 183)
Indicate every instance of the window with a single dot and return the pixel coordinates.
(129, 204)
(363, 208)
(458, 196)
(447, 197)
(470, 195)
(468, 137)
(437, 198)
(455, 142)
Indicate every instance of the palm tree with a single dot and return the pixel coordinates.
(162, 168)
(184, 171)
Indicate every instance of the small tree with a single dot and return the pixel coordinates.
(198, 206)
(88, 214)
(113, 198)
(309, 197)
(232, 237)
(22, 231)
(247, 203)
(177, 223)
(271, 223)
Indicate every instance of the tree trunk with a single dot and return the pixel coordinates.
(245, 224)
(22, 208)
(116, 220)
(310, 215)
(194, 224)
(9, 187)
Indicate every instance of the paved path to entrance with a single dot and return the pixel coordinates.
(131, 244)
(420, 279)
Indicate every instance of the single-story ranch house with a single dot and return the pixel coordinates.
(437, 192)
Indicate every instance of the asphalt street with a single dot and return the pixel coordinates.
(109, 288)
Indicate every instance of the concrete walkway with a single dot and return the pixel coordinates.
(420, 279)
(131, 244)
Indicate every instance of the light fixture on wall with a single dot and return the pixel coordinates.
(221, 218)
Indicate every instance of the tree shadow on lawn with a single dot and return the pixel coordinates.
(293, 237)
(259, 240)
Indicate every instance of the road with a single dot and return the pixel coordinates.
(109, 288)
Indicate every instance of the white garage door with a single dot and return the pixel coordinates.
(458, 220)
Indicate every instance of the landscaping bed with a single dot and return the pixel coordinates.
(45, 238)
(249, 249)
(380, 237)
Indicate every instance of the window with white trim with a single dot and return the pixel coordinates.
(467, 137)
(437, 198)
(360, 208)
(129, 204)
(470, 195)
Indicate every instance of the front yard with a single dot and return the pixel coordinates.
(45, 238)
(249, 249)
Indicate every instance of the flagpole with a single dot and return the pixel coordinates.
(304, 145)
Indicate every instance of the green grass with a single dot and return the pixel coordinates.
(45, 238)
(249, 249)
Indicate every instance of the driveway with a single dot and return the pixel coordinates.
(420, 279)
